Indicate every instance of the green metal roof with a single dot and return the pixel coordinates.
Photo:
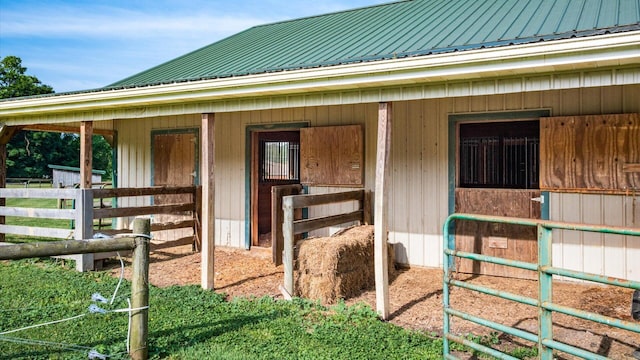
(74, 169)
(394, 30)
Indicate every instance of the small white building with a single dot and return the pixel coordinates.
(67, 176)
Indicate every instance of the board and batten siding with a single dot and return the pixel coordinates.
(134, 167)
(231, 169)
(612, 255)
(419, 187)
(418, 200)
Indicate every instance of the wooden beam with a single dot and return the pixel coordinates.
(86, 154)
(306, 225)
(7, 132)
(154, 190)
(141, 210)
(182, 224)
(302, 201)
(109, 135)
(50, 233)
(110, 139)
(207, 163)
(67, 247)
(54, 193)
(381, 209)
(65, 214)
(66, 129)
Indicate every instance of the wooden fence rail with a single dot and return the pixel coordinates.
(38, 213)
(84, 213)
(140, 270)
(28, 181)
(292, 227)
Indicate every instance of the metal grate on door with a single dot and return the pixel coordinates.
(499, 162)
(280, 160)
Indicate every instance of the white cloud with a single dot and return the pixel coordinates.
(85, 44)
(123, 24)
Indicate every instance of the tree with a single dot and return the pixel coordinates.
(14, 82)
(28, 152)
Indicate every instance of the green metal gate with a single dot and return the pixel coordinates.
(544, 338)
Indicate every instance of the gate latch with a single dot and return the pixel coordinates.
(539, 199)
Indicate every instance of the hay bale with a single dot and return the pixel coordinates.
(337, 267)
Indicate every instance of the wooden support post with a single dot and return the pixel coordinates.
(84, 227)
(197, 214)
(86, 154)
(287, 232)
(208, 200)
(3, 180)
(277, 218)
(381, 209)
(140, 291)
(6, 133)
(366, 208)
(84, 222)
(140, 272)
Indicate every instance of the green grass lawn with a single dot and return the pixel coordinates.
(189, 323)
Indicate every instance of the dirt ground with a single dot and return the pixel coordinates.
(416, 298)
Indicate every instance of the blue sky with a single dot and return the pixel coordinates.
(79, 45)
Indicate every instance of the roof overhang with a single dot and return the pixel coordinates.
(620, 49)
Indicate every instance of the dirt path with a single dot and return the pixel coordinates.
(416, 298)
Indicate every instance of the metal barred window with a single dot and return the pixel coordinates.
(502, 155)
(280, 161)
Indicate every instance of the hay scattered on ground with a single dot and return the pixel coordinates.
(337, 267)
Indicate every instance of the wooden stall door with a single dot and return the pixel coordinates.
(275, 162)
(515, 242)
(174, 164)
(498, 174)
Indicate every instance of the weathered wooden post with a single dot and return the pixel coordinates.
(140, 290)
(382, 209)
(6, 133)
(84, 227)
(139, 284)
(287, 231)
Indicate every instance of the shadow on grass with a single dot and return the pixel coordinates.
(162, 343)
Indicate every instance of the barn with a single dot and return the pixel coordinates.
(63, 176)
(518, 108)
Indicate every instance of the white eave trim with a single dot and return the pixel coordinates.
(571, 54)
